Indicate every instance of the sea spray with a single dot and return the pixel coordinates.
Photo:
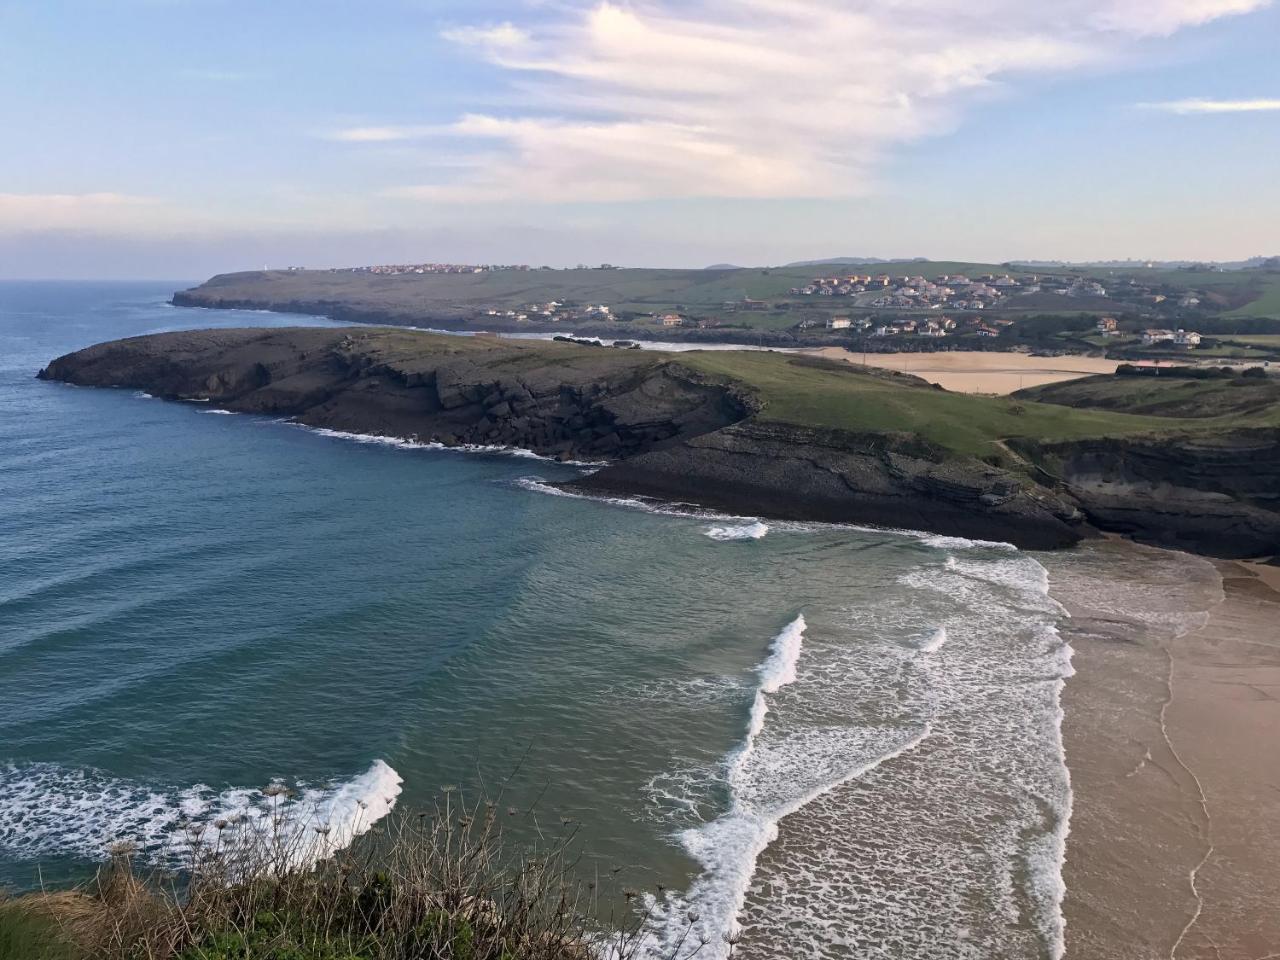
(50, 810)
(935, 641)
(746, 531)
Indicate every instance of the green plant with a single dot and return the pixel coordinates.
(434, 886)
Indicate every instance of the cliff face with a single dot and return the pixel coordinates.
(896, 480)
(558, 400)
(1214, 494)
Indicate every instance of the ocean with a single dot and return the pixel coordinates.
(841, 742)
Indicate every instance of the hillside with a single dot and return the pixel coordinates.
(1244, 400)
(880, 307)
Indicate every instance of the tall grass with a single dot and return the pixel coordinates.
(442, 884)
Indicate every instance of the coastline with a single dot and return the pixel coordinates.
(1167, 729)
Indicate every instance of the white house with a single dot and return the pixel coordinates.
(839, 323)
(1186, 338)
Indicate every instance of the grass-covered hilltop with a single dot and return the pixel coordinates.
(1190, 459)
(1127, 311)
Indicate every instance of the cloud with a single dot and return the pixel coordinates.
(389, 134)
(56, 210)
(1198, 105)
(502, 36)
(757, 98)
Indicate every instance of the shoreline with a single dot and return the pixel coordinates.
(1176, 782)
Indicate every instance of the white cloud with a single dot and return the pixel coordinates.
(502, 36)
(1198, 105)
(758, 98)
(57, 210)
(390, 134)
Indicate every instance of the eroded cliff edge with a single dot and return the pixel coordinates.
(669, 431)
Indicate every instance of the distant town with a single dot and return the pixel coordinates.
(1126, 311)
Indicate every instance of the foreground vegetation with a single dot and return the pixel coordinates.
(433, 887)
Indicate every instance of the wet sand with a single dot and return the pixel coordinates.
(976, 371)
(1171, 726)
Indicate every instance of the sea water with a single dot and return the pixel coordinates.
(820, 741)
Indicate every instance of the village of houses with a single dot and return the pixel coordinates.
(978, 297)
(901, 306)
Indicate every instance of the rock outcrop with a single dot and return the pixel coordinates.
(799, 473)
(1217, 494)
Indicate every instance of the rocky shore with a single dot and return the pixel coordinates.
(668, 431)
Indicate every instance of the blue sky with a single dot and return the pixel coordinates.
(177, 138)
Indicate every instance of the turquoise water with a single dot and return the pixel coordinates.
(843, 735)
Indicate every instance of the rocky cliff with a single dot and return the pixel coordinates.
(670, 432)
(555, 399)
(1214, 493)
(803, 473)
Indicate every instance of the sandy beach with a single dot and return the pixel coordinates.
(977, 371)
(1170, 732)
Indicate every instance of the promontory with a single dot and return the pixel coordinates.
(1186, 463)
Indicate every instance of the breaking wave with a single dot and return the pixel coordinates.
(50, 810)
(746, 531)
(765, 786)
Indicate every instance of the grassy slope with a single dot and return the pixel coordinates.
(1267, 303)
(839, 395)
(1235, 402)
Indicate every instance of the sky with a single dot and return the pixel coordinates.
(182, 138)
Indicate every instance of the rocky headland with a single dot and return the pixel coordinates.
(667, 430)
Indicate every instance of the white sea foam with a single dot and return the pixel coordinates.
(143, 395)
(219, 412)
(776, 672)
(746, 531)
(661, 507)
(729, 849)
(402, 443)
(906, 778)
(780, 669)
(935, 641)
(765, 785)
(49, 810)
(962, 543)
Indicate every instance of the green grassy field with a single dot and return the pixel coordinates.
(841, 396)
(1267, 303)
(1243, 401)
(1256, 339)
